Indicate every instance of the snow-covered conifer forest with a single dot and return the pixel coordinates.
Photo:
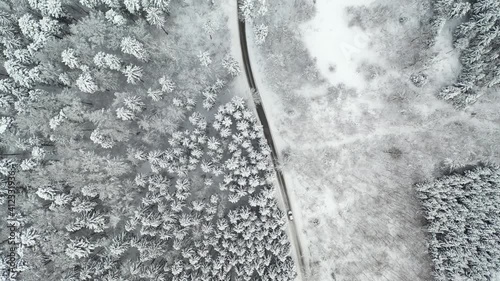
(308, 140)
(136, 158)
(464, 222)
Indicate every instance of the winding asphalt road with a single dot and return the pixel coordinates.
(267, 132)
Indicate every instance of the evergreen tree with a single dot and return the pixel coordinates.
(155, 16)
(231, 65)
(69, 58)
(463, 223)
(133, 73)
(476, 38)
(133, 47)
(79, 248)
(133, 6)
(167, 85)
(115, 18)
(86, 83)
(205, 59)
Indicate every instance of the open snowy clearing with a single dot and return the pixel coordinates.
(337, 47)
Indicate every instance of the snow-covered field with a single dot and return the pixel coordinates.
(358, 137)
(334, 44)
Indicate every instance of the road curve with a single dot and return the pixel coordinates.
(267, 132)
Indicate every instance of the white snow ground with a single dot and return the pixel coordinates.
(333, 43)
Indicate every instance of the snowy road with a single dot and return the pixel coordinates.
(267, 132)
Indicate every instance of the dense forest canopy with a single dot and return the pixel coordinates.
(127, 164)
(477, 37)
(464, 223)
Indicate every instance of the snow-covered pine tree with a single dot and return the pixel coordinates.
(134, 103)
(167, 85)
(463, 223)
(204, 58)
(29, 237)
(133, 73)
(112, 62)
(29, 26)
(231, 65)
(160, 4)
(51, 8)
(115, 17)
(5, 124)
(69, 58)
(476, 38)
(155, 95)
(86, 83)
(155, 16)
(133, 47)
(251, 9)
(79, 248)
(133, 6)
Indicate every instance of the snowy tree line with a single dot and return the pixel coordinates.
(130, 168)
(477, 38)
(464, 223)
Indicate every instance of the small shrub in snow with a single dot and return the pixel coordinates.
(419, 79)
(260, 33)
(205, 59)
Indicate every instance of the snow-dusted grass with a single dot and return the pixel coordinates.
(358, 143)
(359, 212)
